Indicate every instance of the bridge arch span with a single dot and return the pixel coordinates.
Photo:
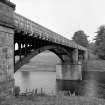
(61, 52)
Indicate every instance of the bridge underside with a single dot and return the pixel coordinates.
(29, 46)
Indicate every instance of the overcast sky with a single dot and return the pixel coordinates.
(65, 16)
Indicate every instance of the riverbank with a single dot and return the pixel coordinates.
(96, 65)
(52, 100)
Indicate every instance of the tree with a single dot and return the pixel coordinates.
(92, 47)
(80, 38)
(100, 42)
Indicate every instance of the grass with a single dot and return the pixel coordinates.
(60, 99)
(96, 64)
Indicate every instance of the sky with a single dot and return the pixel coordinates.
(65, 16)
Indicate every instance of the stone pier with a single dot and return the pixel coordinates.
(6, 47)
(70, 70)
(68, 73)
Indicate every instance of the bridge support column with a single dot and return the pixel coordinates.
(75, 56)
(6, 47)
(6, 57)
(68, 71)
(68, 76)
(85, 61)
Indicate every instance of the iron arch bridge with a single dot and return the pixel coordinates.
(31, 39)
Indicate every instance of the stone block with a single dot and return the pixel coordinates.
(59, 72)
(68, 71)
(6, 45)
(6, 52)
(6, 15)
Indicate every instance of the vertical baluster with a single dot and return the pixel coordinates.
(19, 48)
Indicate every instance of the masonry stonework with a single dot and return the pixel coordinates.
(6, 47)
(6, 56)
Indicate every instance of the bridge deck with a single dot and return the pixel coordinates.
(36, 30)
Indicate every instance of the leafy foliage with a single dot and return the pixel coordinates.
(80, 38)
(92, 47)
(100, 42)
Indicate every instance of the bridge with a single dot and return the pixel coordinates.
(32, 39)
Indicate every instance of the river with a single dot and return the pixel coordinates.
(35, 75)
(36, 80)
(47, 81)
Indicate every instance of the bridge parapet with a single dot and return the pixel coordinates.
(36, 30)
(6, 13)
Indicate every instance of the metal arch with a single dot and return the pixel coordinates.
(34, 53)
(52, 50)
(58, 48)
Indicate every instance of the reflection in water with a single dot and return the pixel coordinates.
(25, 74)
(90, 88)
(35, 73)
(95, 88)
(47, 81)
(33, 80)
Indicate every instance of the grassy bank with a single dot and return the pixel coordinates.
(52, 100)
(96, 65)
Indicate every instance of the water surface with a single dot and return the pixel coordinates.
(33, 80)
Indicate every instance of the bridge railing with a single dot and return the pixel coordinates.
(32, 28)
